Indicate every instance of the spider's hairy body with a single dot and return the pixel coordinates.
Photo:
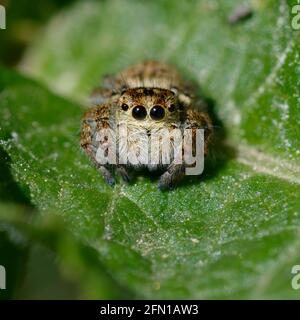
(146, 98)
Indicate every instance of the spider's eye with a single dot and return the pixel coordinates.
(124, 107)
(139, 112)
(157, 113)
(172, 107)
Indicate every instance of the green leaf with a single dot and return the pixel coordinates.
(234, 233)
(44, 261)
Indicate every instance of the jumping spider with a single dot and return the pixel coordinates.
(146, 97)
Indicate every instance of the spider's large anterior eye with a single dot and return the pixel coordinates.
(139, 112)
(157, 113)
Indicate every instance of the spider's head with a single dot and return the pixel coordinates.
(148, 107)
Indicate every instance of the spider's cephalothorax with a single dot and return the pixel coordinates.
(142, 101)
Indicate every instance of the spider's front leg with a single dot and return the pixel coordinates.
(170, 178)
(176, 171)
(95, 120)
